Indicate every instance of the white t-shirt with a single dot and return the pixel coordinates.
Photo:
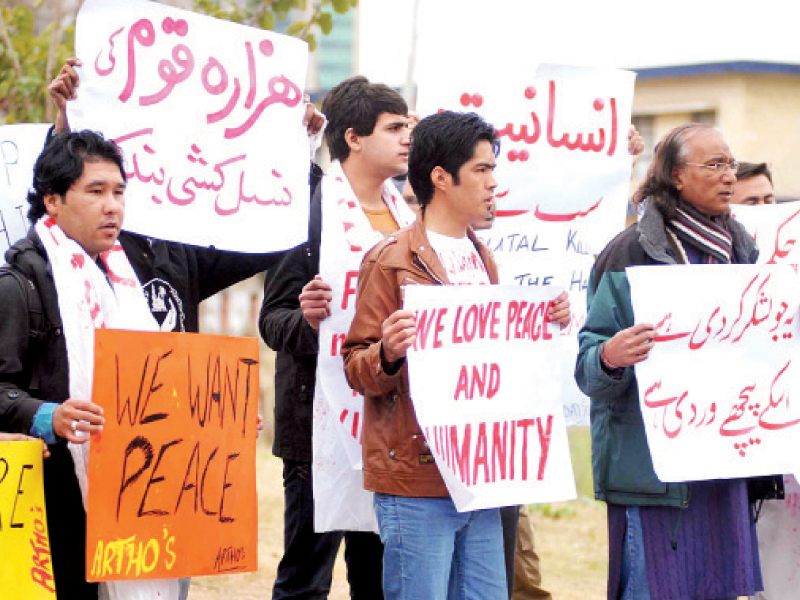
(461, 260)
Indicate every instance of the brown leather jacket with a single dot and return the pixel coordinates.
(396, 457)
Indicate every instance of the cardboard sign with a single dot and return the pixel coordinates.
(485, 376)
(212, 132)
(172, 477)
(26, 570)
(722, 379)
(20, 146)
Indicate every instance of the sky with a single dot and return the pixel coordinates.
(457, 36)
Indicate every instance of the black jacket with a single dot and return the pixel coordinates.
(32, 372)
(284, 329)
(177, 277)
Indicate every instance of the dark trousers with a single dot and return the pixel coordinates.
(509, 517)
(306, 569)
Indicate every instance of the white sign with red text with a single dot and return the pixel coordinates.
(776, 229)
(485, 380)
(212, 133)
(20, 146)
(722, 380)
(563, 173)
(527, 257)
(343, 503)
(563, 132)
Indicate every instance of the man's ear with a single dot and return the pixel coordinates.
(51, 202)
(352, 139)
(677, 177)
(440, 178)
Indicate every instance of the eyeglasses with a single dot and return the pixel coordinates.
(719, 167)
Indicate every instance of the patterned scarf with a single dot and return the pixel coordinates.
(709, 235)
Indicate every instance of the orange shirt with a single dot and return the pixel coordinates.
(381, 220)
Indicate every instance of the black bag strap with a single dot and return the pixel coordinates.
(38, 319)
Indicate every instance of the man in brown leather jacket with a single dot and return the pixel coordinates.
(428, 546)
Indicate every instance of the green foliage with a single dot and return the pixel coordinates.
(560, 510)
(23, 62)
(312, 15)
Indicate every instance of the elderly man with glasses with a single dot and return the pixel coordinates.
(667, 541)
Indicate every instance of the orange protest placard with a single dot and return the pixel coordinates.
(172, 489)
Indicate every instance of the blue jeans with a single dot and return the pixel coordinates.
(633, 574)
(634, 584)
(433, 552)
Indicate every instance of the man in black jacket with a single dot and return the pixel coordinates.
(368, 134)
(175, 277)
(79, 184)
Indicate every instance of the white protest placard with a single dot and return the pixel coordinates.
(722, 380)
(563, 131)
(209, 116)
(776, 229)
(341, 502)
(563, 172)
(485, 380)
(529, 257)
(20, 146)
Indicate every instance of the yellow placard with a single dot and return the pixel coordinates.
(26, 568)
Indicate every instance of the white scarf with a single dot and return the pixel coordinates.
(88, 300)
(354, 224)
(346, 236)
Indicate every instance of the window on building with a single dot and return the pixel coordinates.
(706, 117)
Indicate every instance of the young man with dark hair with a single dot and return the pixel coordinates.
(430, 550)
(80, 278)
(368, 138)
(753, 185)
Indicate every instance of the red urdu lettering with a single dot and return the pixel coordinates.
(143, 32)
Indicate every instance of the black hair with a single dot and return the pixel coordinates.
(445, 140)
(748, 170)
(61, 164)
(356, 103)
